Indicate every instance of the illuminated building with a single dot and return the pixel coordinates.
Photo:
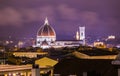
(46, 37)
(82, 33)
(20, 44)
(112, 41)
(99, 44)
(77, 36)
(40, 67)
(25, 70)
(111, 37)
(29, 54)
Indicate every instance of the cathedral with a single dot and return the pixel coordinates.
(46, 38)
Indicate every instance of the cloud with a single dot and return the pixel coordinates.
(67, 12)
(36, 14)
(17, 17)
(64, 14)
(67, 16)
(10, 16)
(89, 17)
(75, 15)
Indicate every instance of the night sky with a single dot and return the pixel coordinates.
(23, 18)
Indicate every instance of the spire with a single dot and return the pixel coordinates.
(46, 21)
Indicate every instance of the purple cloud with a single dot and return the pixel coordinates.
(10, 16)
(15, 17)
(67, 12)
(97, 16)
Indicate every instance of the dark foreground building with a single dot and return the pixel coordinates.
(72, 66)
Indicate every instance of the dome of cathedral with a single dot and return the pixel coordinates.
(46, 30)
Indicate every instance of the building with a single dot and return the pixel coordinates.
(29, 54)
(111, 37)
(99, 44)
(46, 38)
(25, 70)
(45, 35)
(85, 67)
(77, 36)
(82, 33)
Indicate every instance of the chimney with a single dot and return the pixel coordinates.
(35, 70)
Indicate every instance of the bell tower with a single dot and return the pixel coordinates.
(82, 34)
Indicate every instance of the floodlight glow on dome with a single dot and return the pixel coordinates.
(45, 33)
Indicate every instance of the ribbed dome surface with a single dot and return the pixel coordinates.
(46, 30)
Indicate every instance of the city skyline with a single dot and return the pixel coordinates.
(24, 18)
